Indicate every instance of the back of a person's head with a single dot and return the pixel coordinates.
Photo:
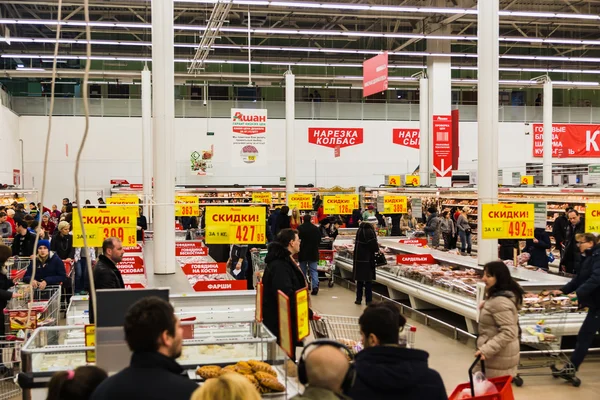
(75, 385)
(146, 321)
(229, 386)
(306, 218)
(382, 320)
(5, 253)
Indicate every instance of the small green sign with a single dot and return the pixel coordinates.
(210, 134)
(282, 179)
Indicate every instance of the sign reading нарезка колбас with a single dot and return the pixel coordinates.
(335, 138)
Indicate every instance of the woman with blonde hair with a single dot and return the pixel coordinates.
(229, 386)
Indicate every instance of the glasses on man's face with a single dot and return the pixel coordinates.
(580, 243)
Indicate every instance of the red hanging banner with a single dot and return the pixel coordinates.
(568, 140)
(375, 75)
(442, 145)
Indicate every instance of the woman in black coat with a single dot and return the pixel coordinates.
(282, 273)
(5, 284)
(537, 248)
(363, 263)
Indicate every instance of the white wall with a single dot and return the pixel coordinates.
(10, 158)
(114, 151)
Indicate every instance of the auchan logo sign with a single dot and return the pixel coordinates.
(249, 122)
(335, 137)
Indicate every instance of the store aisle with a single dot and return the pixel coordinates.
(452, 358)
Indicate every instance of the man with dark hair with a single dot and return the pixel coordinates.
(571, 254)
(101, 202)
(106, 273)
(154, 335)
(310, 238)
(20, 212)
(24, 240)
(384, 370)
(5, 227)
(559, 230)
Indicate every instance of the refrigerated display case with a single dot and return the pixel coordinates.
(449, 281)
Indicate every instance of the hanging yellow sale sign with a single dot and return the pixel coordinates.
(527, 180)
(340, 204)
(235, 225)
(125, 200)
(262, 197)
(300, 201)
(394, 180)
(592, 217)
(412, 180)
(187, 206)
(395, 204)
(102, 223)
(507, 221)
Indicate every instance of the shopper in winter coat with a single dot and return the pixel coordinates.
(369, 212)
(464, 231)
(24, 241)
(272, 224)
(49, 268)
(571, 253)
(355, 219)
(47, 226)
(537, 248)
(106, 273)
(5, 284)
(324, 225)
(447, 226)
(586, 284)
(386, 371)
(498, 341)
(395, 231)
(407, 223)
(310, 238)
(295, 219)
(363, 262)
(9, 218)
(283, 220)
(559, 230)
(508, 248)
(433, 227)
(62, 242)
(237, 261)
(282, 273)
(5, 227)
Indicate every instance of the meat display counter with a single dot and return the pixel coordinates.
(432, 279)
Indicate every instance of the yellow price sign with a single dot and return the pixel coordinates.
(527, 180)
(300, 201)
(592, 217)
(187, 206)
(395, 204)
(262, 197)
(285, 324)
(394, 180)
(235, 225)
(507, 221)
(90, 341)
(302, 313)
(102, 223)
(126, 200)
(412, 180)
(340, 204)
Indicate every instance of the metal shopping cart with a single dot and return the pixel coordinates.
(45, 309)
(346, 330)
(326, 265)
(17, 267)
(258, 265)
(544, 336)
(10, 366)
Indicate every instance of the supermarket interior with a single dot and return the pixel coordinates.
(245, 199)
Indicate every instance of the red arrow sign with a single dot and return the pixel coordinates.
(204, 268)
(442, 145)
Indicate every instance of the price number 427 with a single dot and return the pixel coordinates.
(249, 234)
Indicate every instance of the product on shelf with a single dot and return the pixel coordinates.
(261, 374)
(545, 301)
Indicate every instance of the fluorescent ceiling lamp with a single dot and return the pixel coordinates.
(29, 69)
(386, 8)
(20, 66)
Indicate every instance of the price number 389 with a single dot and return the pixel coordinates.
(126, 236)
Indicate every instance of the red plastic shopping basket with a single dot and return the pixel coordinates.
(503, 384)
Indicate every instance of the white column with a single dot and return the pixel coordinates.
(547, 160)
(147, 140)
(487, 119)
(290, 116)
(163, 86)
(424, 150)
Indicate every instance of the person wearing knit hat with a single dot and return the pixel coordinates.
(48, 226)
(49, 268)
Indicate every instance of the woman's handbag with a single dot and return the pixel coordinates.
(380, 260)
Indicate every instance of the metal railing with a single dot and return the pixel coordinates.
(104, 107)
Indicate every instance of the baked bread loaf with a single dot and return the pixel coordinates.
(269, 381)
(209, 371)
(259, 366)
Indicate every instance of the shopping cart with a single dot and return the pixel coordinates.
(7, 241)
(10, 366)
(258, 265)
(44, 309)
(17, 267)
(545, 337)
(346, 330)
(326, 266)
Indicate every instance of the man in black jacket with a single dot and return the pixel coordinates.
(24, 240)
(571, 254)
(384, 370)
(559, 230)
(106, 273)
(154, 335)
(310, 238)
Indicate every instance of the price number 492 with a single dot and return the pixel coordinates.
(519, 228)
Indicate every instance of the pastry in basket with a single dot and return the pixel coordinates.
(253, 380)
(269, 381)
(259, 366)
(263, 389)
(209, 371)
(244, 368)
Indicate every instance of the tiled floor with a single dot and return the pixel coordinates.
(452, 358)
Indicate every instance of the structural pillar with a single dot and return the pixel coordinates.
(147, 140)
(425, 146)
(163, 86)
(290, 117)
(547, 160)
(487, 120)
(439, 73)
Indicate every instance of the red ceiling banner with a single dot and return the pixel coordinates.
(442, 145)
(375, 75)
(568, 140)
